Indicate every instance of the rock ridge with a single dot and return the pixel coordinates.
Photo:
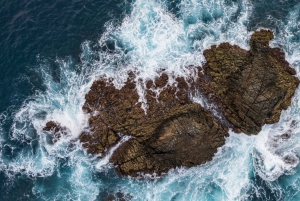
(249, 88)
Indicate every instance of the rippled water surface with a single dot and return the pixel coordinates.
(50, 53)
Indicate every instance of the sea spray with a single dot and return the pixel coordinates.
(148, 40)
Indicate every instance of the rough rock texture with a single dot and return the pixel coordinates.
(250, 87)
(173, 132)
(56, 131)
(186, 136)
(119, 196)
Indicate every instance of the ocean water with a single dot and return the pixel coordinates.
(52, 51)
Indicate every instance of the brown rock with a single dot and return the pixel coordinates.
(172, 132)
(185, 136)
(119, 196)
(56, 130)
(251, 87)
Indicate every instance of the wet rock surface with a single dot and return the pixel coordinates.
(172, 132)
(119, 196)
(186, 136)
(55, 131)
(249, 88)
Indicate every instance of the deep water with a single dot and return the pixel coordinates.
(50, 53)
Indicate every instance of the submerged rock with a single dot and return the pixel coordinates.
(118, 196)
(55, 130)
(250, 87)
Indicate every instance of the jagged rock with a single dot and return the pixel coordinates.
(56, 131)
(250, 87)
(186, 136)
(119, 196)
(172, 132)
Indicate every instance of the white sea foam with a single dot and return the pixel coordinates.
(104, 162)
(148, 40)
(225, 178)
(151, 39)
(279, 147)
(33, 155)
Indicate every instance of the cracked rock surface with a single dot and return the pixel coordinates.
(249, 88)
(174, 132)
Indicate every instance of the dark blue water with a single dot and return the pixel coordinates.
(50, 29)
(49, 53)
(47, 28)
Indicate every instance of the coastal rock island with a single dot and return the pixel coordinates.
(248, 88)
(251, 88)
(173, 131)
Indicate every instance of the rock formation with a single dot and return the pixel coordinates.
(173, 132)
(55, 130)
(249, 88)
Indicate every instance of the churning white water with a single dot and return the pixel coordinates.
(150, 39)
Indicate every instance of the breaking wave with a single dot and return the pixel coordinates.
(148, 40)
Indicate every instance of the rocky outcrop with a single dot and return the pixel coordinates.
(250, 87)
(173, 131)
(55, 130)
(186, 136)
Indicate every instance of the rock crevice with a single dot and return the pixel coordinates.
(249, 88)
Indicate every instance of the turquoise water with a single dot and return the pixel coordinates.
(51, 53)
